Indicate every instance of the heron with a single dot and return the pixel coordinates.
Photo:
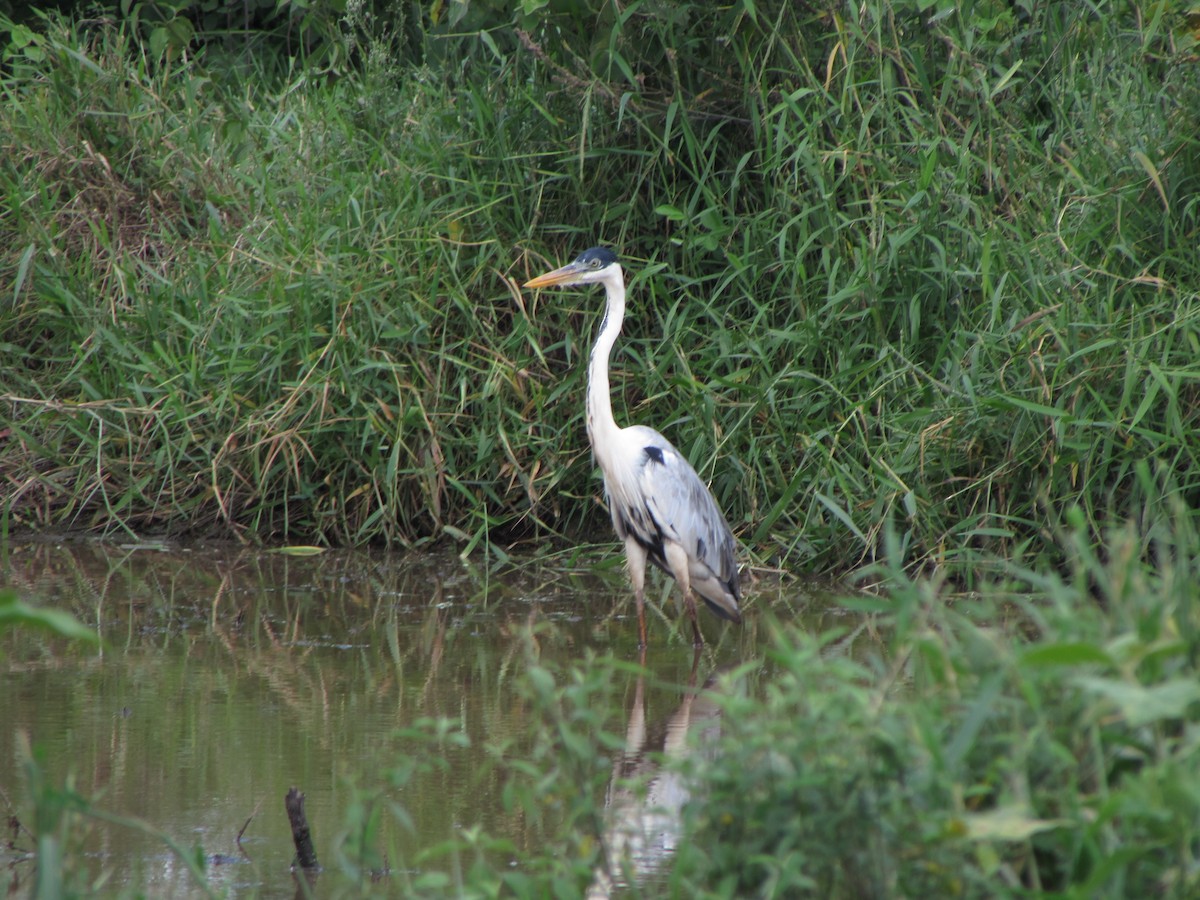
(660, 507)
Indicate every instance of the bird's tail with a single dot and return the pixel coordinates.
(725, 606)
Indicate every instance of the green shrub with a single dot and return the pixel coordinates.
(968, 762)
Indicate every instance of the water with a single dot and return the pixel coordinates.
(230, 674)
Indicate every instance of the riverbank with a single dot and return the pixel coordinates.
(940, 283)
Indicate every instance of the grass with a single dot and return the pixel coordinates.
(933, 272)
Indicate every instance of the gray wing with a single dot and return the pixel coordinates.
(662, 498)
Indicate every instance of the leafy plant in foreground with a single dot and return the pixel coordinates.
(969, 762)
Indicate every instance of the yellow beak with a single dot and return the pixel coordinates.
(567, 274)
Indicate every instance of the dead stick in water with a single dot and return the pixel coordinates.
(306, 857)
(241, 848)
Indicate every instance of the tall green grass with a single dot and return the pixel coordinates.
(921, 265)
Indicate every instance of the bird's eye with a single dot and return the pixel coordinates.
(594, 263)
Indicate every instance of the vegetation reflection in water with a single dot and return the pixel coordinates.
(408, 696)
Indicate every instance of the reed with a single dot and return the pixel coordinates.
(896, 266)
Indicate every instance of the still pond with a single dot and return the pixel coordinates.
(229, 674)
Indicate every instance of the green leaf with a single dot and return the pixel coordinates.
(14, 612)
(432, 881)
(1152, 171)
(840, 514)
(1142, 705)
(1040, 409)
(159, 39)
(1008, 823)
(1069, 653)
(20, 36)
(1006, 78)
(488, 42)
(23, 271)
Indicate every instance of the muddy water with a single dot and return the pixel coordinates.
(228, 675)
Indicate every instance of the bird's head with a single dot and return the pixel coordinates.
(594, 266)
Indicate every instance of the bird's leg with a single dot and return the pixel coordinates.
(635, 553)
(641, 611)
(697, 638)
(695, 667)
(678, 561)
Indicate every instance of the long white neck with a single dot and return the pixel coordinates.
(601, 425)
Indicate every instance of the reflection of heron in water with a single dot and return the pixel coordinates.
(645, 800)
